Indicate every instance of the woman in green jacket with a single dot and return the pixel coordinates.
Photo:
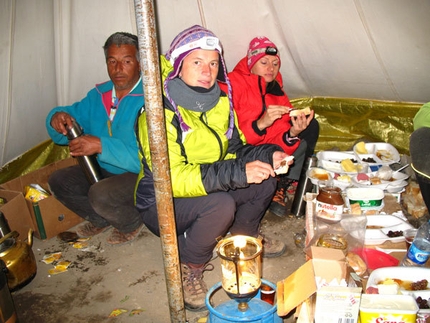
(220, 184)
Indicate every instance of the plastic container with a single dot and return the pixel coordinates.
(318, 174)
(378, 154)
(388, 308)
(331, 161)
(366, 197)
(397, 180)
(419, 251)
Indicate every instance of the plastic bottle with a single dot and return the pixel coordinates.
(89, 164)
(419, 251)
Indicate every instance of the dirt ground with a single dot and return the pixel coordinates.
(102, 278)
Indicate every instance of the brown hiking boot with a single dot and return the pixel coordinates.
(194, 287)
(271, 247)
(88, 229)
(278, 206)
(118, 238)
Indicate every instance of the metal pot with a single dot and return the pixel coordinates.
(19, 259)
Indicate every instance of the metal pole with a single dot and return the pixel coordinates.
(149, 61)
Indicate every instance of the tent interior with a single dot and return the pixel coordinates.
(362, 65)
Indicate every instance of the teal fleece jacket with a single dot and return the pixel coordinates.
(119, 144)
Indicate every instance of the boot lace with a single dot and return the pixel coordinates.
(193, 278)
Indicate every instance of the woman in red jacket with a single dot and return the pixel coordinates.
(263, 110)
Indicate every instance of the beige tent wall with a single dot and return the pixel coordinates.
(368, 49)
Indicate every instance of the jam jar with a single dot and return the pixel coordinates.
(329, 203)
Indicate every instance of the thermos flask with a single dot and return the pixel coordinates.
(305, 185)
(4, 226)
(89, 164)
(7, 306)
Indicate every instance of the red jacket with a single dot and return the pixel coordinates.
(250, 99)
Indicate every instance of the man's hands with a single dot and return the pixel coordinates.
(82, 146)
(61, 121)
(85, 146)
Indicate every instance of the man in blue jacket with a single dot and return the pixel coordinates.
(107, 115)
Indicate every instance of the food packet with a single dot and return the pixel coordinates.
(35, 193)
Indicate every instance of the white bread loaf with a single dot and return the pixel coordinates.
(296, 112)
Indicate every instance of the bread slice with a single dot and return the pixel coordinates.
(283, 168)
(296, 112)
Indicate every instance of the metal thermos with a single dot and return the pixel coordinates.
(89, 164)
(7, 307)
(4, 226)
(305, 185)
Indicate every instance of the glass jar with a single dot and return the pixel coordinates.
(335, 241)
(329, 203)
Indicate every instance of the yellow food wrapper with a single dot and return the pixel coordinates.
(58, 269)
(117, 312)
(49, 259)
(80, 245)
(64, 264)
(136, 311)
(35, 193)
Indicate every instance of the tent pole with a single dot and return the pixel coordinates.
(149, 62)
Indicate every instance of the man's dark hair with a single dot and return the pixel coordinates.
(121, 38)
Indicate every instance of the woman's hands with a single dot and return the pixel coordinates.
(275, 112)
(300, 123)
(258, 171)
(272, 113)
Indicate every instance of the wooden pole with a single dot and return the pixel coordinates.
(149, 61)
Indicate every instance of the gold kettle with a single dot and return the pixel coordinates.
(19, 259)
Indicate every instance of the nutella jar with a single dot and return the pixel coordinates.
(329, 204)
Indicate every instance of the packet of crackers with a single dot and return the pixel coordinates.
(35, 193)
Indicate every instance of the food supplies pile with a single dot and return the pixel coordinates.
(351, 213)
(368, 165)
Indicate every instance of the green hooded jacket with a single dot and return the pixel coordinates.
(202, 160)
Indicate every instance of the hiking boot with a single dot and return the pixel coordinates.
(194, 287)
(278, 206)
(271, 247)
(88, 230)
(292, 187)
(118, 238)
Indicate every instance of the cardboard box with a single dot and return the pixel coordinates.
(16, 213)
(48, 216)
(327, 267)
(337, 304)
